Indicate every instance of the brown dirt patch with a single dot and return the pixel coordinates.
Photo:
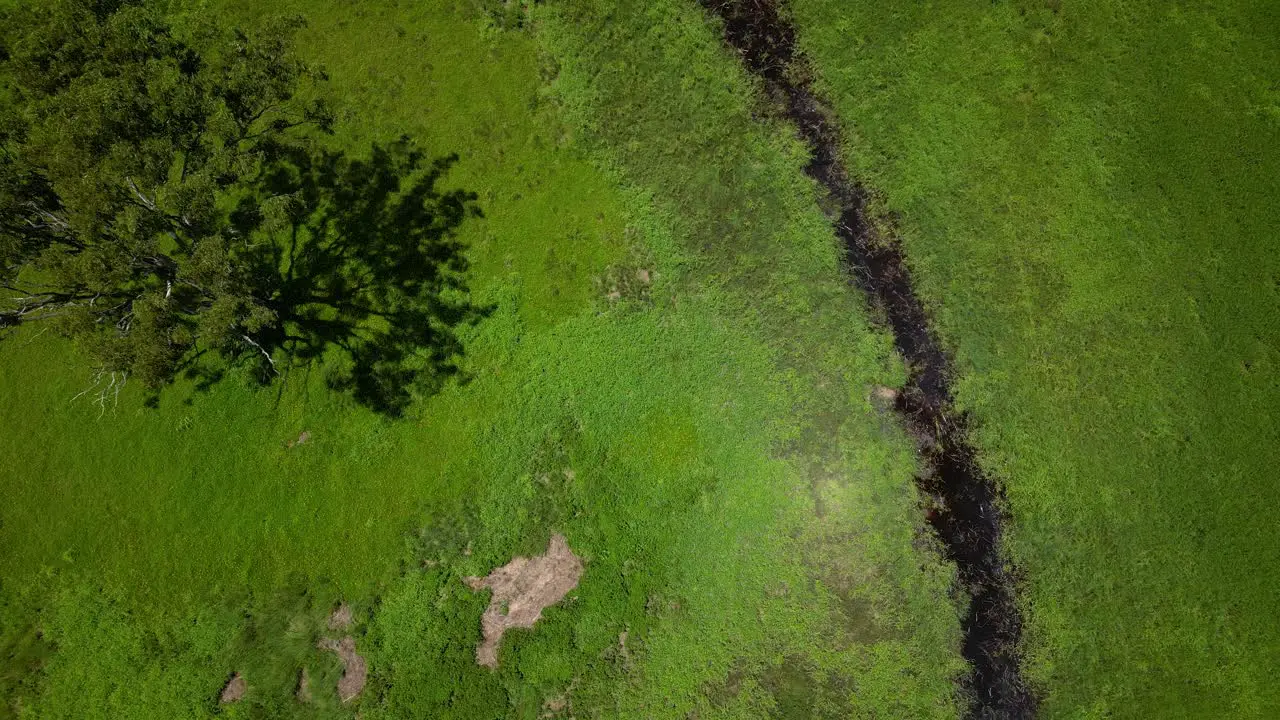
(354, 669)
(234, 690)
(521, 590)
(341, 617)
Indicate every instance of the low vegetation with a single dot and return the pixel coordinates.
(673, 375)
(1086, 192)
(523, 319)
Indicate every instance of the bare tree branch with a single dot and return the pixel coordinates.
(147, 202)
(262, 350)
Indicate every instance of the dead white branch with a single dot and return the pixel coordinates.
(51, 220)
(97, 378)
(264, 352)
(146, 201)
(106, 393)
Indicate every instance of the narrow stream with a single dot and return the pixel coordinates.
(969, 518)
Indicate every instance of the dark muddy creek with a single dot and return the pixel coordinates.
(968, 518)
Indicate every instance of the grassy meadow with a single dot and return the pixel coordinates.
(675, 376)
(1087, 194)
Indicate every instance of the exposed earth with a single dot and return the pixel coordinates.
(234, 690)
(521, 590)
(355, 672)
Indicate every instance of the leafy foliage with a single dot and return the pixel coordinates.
(163, 200)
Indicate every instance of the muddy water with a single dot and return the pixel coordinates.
(968, 518)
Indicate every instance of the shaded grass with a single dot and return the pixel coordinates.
(1087, 194)
(683, 435)
(200, 504)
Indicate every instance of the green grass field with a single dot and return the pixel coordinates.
(1087, 193)
(677, 377)
(703, 438)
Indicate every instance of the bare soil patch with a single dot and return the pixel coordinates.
(341, 618)
(234, 690)
(355, 672)
(521, 590)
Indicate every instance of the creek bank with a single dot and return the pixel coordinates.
(967, 514)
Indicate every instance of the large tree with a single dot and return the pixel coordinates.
(167, 202)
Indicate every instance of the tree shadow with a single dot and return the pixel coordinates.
(355, 264)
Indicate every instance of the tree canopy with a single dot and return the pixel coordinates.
(170, 203)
